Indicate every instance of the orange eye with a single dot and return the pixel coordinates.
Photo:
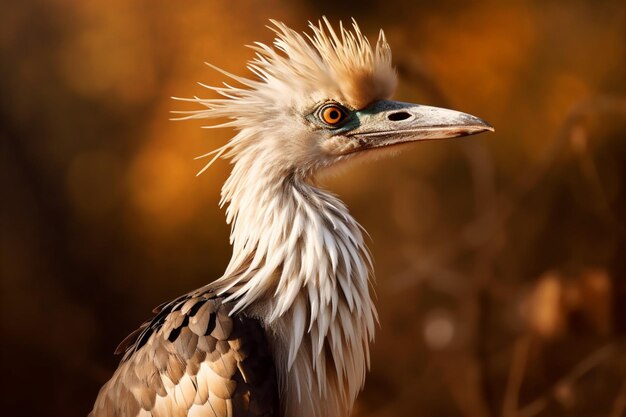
(332, 114)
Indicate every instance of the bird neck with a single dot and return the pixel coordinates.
(300, 265)
(288, 234)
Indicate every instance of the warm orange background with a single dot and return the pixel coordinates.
(501, 259)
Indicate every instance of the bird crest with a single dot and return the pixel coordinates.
(298, 71)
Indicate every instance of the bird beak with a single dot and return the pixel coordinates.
(387, 123)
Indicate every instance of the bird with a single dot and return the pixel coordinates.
(286, 330)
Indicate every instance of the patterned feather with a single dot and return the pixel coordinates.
(286, 330)
(193, 359)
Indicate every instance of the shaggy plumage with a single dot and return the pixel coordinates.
(299, 263)
(297, 286)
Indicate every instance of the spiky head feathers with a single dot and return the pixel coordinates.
(293, 78)
(329, 65)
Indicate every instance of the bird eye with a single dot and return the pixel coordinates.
(332, 114)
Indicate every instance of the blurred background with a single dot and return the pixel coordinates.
(501, 259)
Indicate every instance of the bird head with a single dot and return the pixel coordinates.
(321, 98)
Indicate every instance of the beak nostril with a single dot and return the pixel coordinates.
(397, 116)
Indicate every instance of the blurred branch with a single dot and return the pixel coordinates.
(582, 368)
(619, 406)
(516, 376)
(484, 234)
(486, 226)
(530, 179)
(494, 210)
(463, 375)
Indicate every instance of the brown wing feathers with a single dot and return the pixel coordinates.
(193, 359)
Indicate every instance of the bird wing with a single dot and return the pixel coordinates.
(193, 359)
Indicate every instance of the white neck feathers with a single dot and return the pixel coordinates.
(299, 264)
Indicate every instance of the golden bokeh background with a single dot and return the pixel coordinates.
(501, 258)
